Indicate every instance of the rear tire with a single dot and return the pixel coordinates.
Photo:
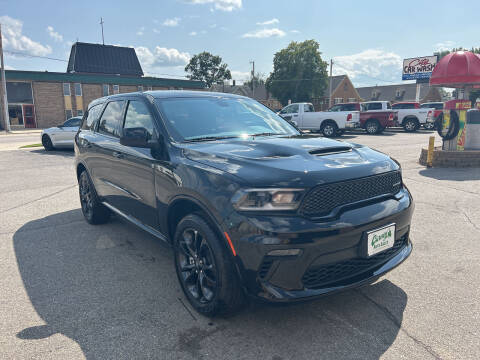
(373, 127)
(93, 210)
(329, 129)
(411, 125)
(204, 268)
(47, 143)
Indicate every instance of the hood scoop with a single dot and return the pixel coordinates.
(330, 150)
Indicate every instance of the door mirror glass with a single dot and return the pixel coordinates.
(135, 137)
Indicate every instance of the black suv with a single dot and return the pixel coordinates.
(250, 205)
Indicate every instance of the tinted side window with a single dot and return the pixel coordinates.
(111, 118)
(92, 115)
(348, 107)
(138, 115)
(374, 106)
(72, 122)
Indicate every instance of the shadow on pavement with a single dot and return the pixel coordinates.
(60, 152)
(453, 174)
(113, 290)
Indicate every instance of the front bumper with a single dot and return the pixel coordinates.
(330, 253)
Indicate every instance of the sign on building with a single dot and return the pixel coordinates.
(419, 67)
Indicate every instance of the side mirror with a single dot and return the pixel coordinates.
(136, 137)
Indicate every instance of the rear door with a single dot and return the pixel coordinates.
(64, 135)
(104, 168)
(134, 172)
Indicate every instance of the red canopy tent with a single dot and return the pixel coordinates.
(458, 70)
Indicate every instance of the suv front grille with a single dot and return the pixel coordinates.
(319, 276)
(323, 199)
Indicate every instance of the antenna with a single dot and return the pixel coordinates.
(101, 24)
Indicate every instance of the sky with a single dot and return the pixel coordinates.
(366, 39)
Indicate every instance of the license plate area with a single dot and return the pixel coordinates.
(379, 240)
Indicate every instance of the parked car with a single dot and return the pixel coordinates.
(411, 116)
(304, 116)
(61, 136)
(375, 116)
(250, 205)
(438, 109)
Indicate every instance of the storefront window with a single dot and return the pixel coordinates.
(15, 114)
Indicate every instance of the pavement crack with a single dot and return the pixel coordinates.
(38, 199)
(397, 323)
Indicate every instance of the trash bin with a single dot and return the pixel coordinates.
(472, 136)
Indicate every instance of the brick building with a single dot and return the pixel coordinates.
(42, 99)
(342, 91)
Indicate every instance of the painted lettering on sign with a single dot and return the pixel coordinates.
(418, 68)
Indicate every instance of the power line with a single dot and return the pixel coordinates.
(32, 56)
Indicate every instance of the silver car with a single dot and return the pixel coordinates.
(61, 136)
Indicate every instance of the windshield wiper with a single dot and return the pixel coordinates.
(210, 138)
(266, 134)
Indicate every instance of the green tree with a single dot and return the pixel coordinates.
(208, 68)
(299, 73)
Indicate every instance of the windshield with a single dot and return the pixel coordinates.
(213, 117)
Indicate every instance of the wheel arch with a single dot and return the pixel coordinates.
(410, 117)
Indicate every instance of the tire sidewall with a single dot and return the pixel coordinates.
(411, 121)
(332, 125)
(222, 263)
(371, 121)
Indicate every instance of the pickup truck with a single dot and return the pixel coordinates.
(438, 106)
(330, 124)
(375, 116)
(411, 116)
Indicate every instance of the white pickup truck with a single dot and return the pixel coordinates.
(410, 116)
(329, 123)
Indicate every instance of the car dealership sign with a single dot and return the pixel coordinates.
(418, 68)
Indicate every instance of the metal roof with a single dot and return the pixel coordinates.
(100, 79)
(396, 93)
(103, 59)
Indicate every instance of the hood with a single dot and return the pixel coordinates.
(299, 161)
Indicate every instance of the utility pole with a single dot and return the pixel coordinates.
(4, 87)
(330, 85)
(253, 78)
(101, 24)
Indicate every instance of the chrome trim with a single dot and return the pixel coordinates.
(137, 222)
(121, 189)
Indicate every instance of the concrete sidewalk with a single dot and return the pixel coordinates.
(21, 132)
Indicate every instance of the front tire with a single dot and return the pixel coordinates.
(329, 129)
(204, 268)
(47, 143)
(93, 210)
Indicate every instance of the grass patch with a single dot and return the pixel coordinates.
(30, 146)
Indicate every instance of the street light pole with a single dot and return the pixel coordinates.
(4, 87)
(330, 85)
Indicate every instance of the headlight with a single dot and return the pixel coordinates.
(267, 199)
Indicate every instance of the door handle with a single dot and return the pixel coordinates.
(118, 155)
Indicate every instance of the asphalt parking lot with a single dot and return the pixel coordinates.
(70, 290)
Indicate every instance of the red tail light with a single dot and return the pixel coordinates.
(349, 117)
(390, 118)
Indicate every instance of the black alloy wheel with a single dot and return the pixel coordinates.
(93, 210)
(47, 143)
(206, 268)
(197, 266)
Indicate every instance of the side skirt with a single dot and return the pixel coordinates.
(136, 222)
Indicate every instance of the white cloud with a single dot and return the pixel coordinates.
(193, 33)
(53, 34)
(224, 5)
(445, 45)
(13, 38)
(264, 33)
(374, 64)
(156, 31)
(140, 31)
(240, 75)
(171, 22)
(295, 31)
(161, 57)
(269, 22)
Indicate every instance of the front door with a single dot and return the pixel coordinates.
(29, 116)
(135, 171)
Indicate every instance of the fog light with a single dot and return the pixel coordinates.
(285, 252)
